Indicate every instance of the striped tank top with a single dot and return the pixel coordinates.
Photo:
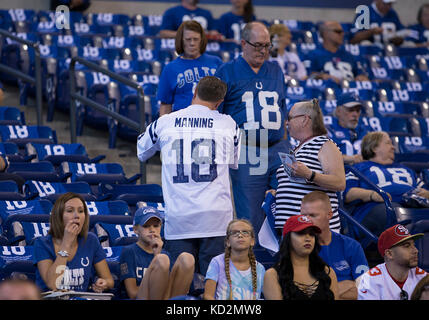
(289, 194)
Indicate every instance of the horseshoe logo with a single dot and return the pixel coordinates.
(83, 263)
(259, 85)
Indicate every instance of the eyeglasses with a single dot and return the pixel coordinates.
(403, 295)
(236, 233)
(290, 118)
(259, 46)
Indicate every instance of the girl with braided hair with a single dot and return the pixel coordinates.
(235, 274)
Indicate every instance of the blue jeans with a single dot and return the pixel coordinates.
(250, 181)
(203, 250)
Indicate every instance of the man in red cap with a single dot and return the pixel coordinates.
(396, 278)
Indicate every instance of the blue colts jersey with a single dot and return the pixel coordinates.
(348, 144)
(255, 101)
(180, 77)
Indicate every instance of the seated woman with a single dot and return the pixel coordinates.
(289, 62)
(379, 167)
(299, 273)
(68, 256)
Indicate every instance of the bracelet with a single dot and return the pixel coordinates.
(313, 175)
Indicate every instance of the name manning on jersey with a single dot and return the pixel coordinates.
(193, 122)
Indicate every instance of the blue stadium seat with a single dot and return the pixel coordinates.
(114, 207)
(422, 244)
(131, 194)
(17, 259)
(24, 134)
(58, 153)
(397, 109)
(52, 190)
(40, 171)
(413, 144)
(11, 116)
(22, 229)
(395, 126)
(107, 19)
(113, 230)
(9, 190)
(112, 258)
(95, 173)
(8, 208)
(303, 93)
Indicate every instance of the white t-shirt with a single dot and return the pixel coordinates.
(241, 281)
(377, 284)
(291, 65)
(198, 146)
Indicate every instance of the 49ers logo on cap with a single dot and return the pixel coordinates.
(304, 219)
(401, 231)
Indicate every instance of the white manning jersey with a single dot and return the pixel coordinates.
(198, 146)
(377, 284)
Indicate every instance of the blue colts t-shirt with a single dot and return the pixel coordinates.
(79, 272)
(180, 77)
(134, 261)
(173, 18)
(255, 100)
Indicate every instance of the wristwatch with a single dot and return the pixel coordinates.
(63, 253)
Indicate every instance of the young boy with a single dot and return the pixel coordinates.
(145, 266)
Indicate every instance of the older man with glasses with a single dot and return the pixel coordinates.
(331, 60)
(255, 99)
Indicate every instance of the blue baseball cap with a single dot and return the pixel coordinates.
(143, 214)
(348, 100)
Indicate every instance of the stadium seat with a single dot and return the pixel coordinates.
(8, 208)
(9, 190)
(395, 126)
(112, 258)
(422, 244)
(397, 109)
(17, 260)
(24, 134)
(13, 154)
(41, 171)
(58, 153)
(11, 116)
(113, 230)
(131, 194)
(22, 229)
(95, 173)
(114, 207)
(52, 190)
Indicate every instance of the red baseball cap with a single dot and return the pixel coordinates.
(393, 236)
(299, 223)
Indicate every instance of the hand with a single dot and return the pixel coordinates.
(156, 244)
(357, 158)
(71, 231)
(377, 30)
(376, 197)
(272, 191)
(397, 41)
(423, 193)
(100, 285)
(299, 169)
(361, 77)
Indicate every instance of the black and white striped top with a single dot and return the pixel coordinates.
(289, 194)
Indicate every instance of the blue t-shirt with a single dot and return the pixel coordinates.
(180, 77)
(389, 22)
(341, 64)
(80, 272)
(346, 256)
(134, 261)
(241, 280)
(230, 25)
(419, 33)
(255, 100)
(173, 18)
(395, 179)
(343, 137)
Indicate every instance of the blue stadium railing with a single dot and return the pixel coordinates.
(75, 96)
(37, 80)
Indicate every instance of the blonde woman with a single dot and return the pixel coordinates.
(235, 274)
